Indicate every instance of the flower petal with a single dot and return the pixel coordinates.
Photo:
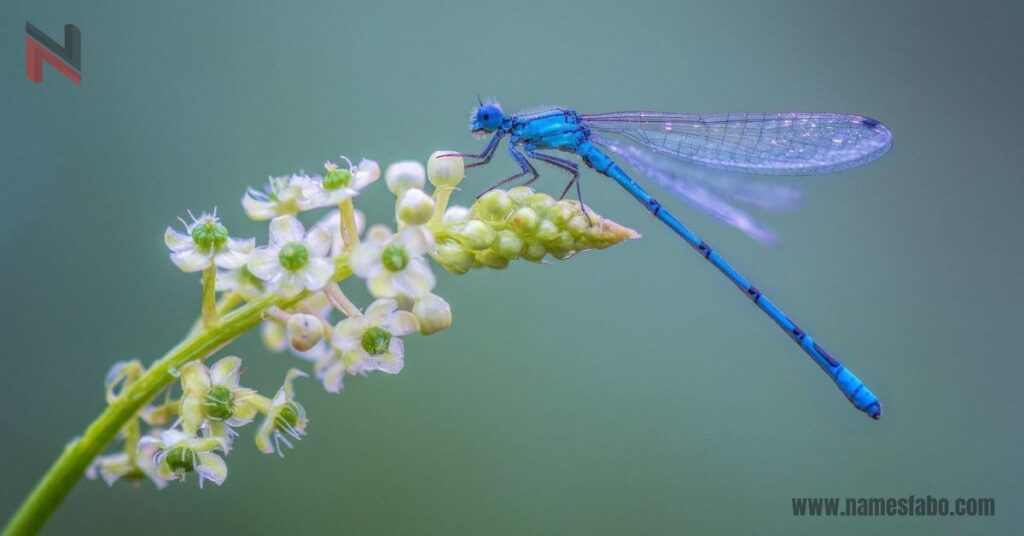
(177, 241)
(348, 332)
(229, 259)
(211, 467)
(284, 229)
(317, 273)
(402, 323)
(195, 378)
(226, 372)
(365, 173)
(318, 241)
(288, 284)
(258, 209)
(417, 240)
(417, 278)
(332, 377)
(190, 259)
(379, 311)
(382, 285)
(264, 263)
(365, 259)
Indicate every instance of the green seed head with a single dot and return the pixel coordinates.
(294, 256)
(376, 340)
(493, 206)
(394, 258)
(219, 403)
(337, 178)
(210, 235)
(181, 460)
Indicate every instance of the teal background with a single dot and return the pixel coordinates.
(627, 391)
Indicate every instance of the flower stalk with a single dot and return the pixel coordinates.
(77, 455)
(290, 288)
(209, 307)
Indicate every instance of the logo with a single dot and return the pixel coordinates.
(40, 47)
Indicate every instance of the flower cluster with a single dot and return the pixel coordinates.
(295, 278)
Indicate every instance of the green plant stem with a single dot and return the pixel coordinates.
(209, 307)
(70, 466)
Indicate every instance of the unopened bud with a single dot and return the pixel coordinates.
(415, 207)
(455, 213)
(476, 235)
(304, 331)
(433, 313)
(493, 206)
(403, 175)
(447, 171)
(453, 256)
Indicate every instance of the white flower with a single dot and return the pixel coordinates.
(283, 416)
(339, 184)
(393, 265)
(206, 242)
(293, 260)
(213, 397)
(178, 454)
(135, 467)
(367, 342)
(285, 195)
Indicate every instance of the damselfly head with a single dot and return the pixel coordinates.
(486, 118)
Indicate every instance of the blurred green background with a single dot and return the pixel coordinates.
(625, 391)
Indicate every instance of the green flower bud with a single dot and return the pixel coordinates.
(524, 221)
(520, 194)
(491, 259)
(521, 223)
(446, 172)
(476, 235)
(508, 245)
(453, 256)
(493, 206)
(562, 211)
(415, 207)
(293, 256)
(433, 313)
(534, 252)
(547, 231)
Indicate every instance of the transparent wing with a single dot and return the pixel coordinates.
(783, 143)
(714, 192)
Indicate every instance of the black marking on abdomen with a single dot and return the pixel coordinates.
(831, 360)
(753, 293)
(704, 249)
(798, 333)
(654, 206)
